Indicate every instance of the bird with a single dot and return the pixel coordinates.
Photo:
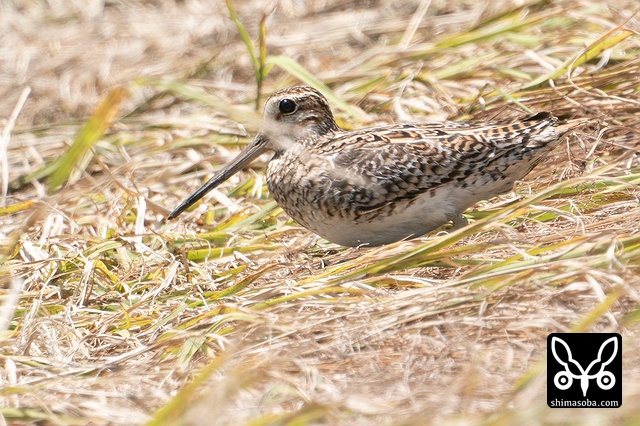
(382, 184)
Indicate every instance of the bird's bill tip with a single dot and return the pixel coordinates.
(250, 153)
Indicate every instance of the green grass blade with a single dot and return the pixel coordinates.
(246, 38)
(78, 153)
(596, 48)
(262, 59)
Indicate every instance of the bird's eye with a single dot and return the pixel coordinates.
(287, 106)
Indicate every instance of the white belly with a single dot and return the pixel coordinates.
(407, 220)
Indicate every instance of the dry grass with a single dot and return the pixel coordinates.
(233, 314)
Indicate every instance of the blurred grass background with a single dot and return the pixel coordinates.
(114, 111)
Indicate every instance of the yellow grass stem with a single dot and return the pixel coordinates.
(606, 41)
(77, 156)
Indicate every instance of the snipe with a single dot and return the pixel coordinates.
(382, 184)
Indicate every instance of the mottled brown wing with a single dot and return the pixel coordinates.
(405, 161)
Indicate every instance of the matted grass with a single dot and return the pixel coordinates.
(113, 112)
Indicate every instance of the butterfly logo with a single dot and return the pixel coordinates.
(595, 370)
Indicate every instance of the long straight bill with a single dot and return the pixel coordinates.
(250, 153)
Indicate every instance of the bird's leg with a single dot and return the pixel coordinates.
(459, 221)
